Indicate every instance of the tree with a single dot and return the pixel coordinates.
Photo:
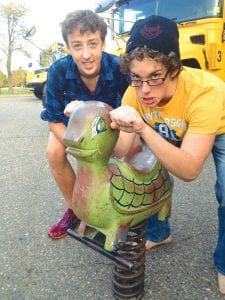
(12, 17)
(19, 77)
(3, 79)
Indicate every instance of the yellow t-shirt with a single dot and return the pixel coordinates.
(198, 106)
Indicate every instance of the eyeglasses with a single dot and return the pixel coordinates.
(150, 82)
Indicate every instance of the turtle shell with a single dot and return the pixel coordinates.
(133, 192)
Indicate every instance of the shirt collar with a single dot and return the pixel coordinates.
(106, 70)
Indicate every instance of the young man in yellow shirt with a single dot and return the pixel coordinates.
(178, 112)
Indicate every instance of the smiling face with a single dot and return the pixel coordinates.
(86, 50)
(150, 69)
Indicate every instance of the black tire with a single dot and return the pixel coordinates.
(37, 93)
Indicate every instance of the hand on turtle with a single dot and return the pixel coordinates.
(127, 119)
(70, 107)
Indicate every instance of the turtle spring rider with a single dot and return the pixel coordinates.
(111, 195)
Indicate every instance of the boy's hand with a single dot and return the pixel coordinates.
(70, 107)
(127, 119)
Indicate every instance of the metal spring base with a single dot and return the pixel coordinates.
(129, 284)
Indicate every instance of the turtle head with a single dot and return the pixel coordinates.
(89, 135)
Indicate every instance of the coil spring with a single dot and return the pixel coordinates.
(129, 284)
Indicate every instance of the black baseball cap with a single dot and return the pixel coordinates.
(155, 32)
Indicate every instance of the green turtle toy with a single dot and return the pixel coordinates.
(110, 194)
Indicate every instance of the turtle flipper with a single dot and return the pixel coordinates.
(165, 210)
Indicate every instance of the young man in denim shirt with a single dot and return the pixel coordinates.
(86, 73)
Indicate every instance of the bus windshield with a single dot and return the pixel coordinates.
(129, 11)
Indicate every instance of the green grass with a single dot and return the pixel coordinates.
(16, 91)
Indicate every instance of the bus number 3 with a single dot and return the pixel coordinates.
(219, 56)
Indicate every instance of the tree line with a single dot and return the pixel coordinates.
(12, 31)
(18, 78)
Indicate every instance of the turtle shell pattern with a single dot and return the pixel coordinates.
(132, 192)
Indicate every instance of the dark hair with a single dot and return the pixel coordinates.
(171, 61)
(85, 21)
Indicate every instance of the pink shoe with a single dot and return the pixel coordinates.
(59, 230)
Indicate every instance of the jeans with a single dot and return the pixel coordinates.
(158, 231)
(218, 152)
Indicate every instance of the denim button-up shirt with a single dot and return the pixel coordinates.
(64, 85)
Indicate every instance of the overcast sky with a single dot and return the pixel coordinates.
(46, 16)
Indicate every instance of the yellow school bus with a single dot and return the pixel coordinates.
(36, 79)
(201, 26)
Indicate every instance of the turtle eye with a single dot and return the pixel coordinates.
(98, 126)
(101, 126)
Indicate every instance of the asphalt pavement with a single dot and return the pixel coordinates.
(32, 266)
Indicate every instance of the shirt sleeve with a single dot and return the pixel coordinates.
(55, 97)
(205, 113)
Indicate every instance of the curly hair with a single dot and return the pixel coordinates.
(171, 61)
(84, 20)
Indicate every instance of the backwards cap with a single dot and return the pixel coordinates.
(155, 32)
